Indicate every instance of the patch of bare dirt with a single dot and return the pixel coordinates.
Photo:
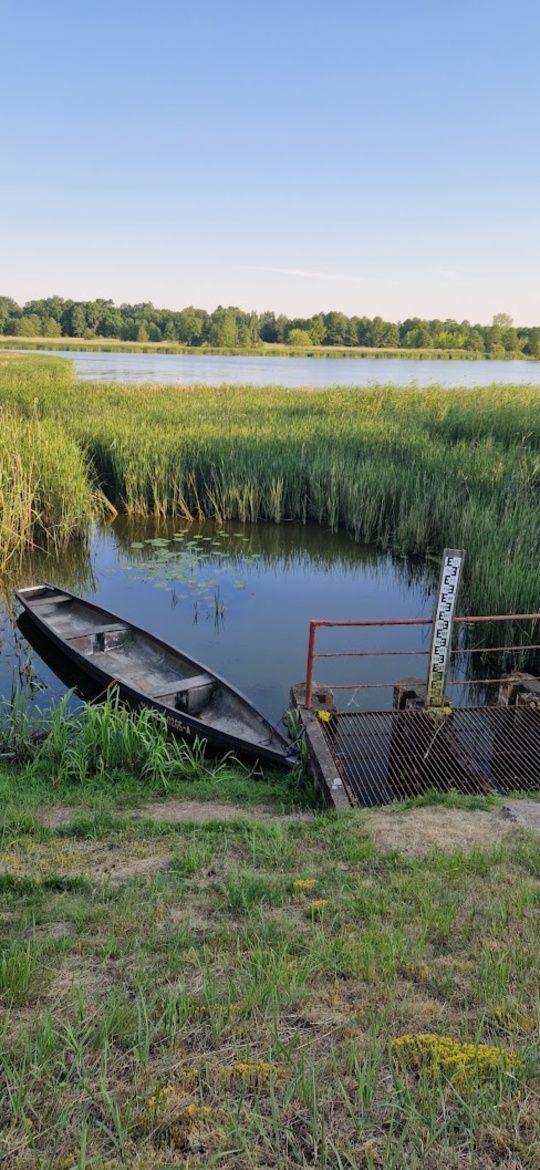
(78, 974)
(50, 930)
(118, 861)
(56, 815)
(416, 832)
(176, 811)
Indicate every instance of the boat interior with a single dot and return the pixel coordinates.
(143, 663)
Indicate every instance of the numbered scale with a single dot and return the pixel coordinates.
(441, 641)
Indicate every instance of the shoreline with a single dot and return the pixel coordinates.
(111, 345)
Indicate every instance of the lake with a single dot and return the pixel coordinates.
(212, 370)
(239, 598)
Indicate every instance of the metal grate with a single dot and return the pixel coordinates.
(384, 756)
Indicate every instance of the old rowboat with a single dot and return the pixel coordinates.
(148, 672)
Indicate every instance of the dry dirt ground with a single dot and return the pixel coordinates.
(418, 831)
(415, 832)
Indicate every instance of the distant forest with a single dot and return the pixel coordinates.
(233, 328)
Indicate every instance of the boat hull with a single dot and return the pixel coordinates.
(278, 751)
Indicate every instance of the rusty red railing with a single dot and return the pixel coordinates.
(320, 623)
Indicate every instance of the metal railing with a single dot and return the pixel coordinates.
(324, 623)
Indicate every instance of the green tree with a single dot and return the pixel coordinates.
(317, 329)
(50, 327)
(502, 321)
(532, 342)
(299, 337)
(74, 321)
(511, 341)
(474, 341)
(222, 328)
(9, 310)
(142, 332)
(29, 326)
(335, 328)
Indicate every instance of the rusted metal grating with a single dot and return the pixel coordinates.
(384, 756)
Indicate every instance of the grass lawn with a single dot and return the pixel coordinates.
(224, 990)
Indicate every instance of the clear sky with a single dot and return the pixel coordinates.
(376, 157)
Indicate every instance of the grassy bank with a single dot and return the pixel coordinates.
(409, 469)
(111, 345)
(225, 991)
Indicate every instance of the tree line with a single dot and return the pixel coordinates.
(233, 328)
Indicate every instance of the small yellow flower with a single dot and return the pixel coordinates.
(304, 885)
(197, 1111)
(160, 1097)
(324, 716)
(441, 1054)
(255, 1072)
(318, 904)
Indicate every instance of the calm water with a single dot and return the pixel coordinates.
(238, 598)
(205, 369)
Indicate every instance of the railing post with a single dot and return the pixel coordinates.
(309, 668)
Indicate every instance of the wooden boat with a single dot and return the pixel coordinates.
(196, 702)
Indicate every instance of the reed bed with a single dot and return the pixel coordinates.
(45, 491)
(410, 470)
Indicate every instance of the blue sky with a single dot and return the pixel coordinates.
(372, 157)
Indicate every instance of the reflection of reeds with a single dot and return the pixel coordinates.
(71, 567)
(405, 469)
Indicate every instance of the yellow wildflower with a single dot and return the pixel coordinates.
(197, 1112)
(259, 1072)
(160, 1096)
(318, 904)
(324, 716)
(304, 885)
(441, 1054)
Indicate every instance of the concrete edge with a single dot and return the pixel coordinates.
(322, 765)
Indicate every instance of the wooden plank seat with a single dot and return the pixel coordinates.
(48, 600)
(179, 685)
(108, 629)
(188, 694)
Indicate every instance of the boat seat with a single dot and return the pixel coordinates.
(188, 694)
(108, 629)
(50, 600)
(99, 639)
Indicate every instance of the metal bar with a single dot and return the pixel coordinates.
(309, 666)
(374, 653)
(477, 682)
(323, 622)
(460, 682)
(525, 646)
(499, 617)
(496, 649)
(357, 686)
(491, 617)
